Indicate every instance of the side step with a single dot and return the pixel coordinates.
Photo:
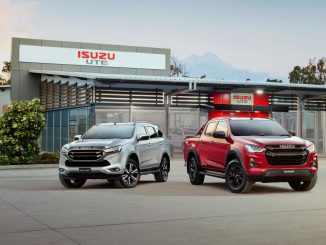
(149, 171)
(213, 174)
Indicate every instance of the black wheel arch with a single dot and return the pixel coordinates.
(233, 154)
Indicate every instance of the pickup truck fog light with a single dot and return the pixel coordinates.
(252, 162)
(115, 169)
(314, 162)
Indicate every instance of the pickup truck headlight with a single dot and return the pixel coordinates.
(113, 150)
(254, 149)
(311, 148)
(64, 150)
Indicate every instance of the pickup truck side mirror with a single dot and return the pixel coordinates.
(292, 133)
(142, 137)
(219, 135)
(78, 137)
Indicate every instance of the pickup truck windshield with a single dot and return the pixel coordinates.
(110, 132)
(257, 128)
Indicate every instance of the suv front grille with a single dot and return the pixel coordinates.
(86, 155)
(286, 156)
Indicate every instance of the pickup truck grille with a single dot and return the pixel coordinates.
(85, 155)
(277, 155)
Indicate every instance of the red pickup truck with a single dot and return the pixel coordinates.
(248, 150)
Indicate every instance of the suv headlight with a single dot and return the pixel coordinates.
(311, 148)
(64, 150)
(254, 149)
(113, 150)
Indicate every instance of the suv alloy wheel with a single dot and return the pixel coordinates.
(235, 178)
(163, 175)
(131, 175)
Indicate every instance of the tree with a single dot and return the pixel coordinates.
(313, 73)
(20, 129)
(177, 68)
(274, 81)
(6, 70)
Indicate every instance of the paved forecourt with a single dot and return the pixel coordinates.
(36, 209)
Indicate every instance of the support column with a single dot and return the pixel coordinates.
(167, 107)
(299, 116)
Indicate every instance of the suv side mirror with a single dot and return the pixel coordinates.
(142, 137)
(219, 134)
(78, 137)
(292, 133)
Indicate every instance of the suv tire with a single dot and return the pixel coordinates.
(235, 178)
(193, 170)
(163, 174)
(131, 175)
(69, 183)
(304, 185)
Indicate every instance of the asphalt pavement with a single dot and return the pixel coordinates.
(36, 209)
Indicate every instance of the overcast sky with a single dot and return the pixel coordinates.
(260, 36)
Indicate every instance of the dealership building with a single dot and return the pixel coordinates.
(81, 84)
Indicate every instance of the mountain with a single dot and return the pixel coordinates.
(212, 66)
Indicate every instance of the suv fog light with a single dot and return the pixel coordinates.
(252, 162)
(115, 169)
(61, 169)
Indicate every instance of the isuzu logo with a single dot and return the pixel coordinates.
(287, 146)
(96, 57)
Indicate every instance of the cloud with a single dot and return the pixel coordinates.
(16, 20)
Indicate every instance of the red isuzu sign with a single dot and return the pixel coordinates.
(242, 99)
(88, 57)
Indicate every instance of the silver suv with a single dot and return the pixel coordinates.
(118, 152)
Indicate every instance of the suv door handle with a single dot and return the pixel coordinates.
(161, 143)
(149, 144)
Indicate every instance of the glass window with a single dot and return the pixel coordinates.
(151, 132)
(56, 135)
(141, 131)
(257, 128)
(110, 132)
(49, 130)
(222, 126)
(210, 128)
(64, 127)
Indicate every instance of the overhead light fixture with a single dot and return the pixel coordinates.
(259, 91)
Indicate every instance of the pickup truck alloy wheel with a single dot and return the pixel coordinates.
(71, 183)
(194, 176)
(163, 175)
(131, 175)
(235, 178)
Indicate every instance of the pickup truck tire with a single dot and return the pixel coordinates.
(194, 176)
(304, 185)
(163, 175)
(69, 183)
(235, 178)
(131, 175)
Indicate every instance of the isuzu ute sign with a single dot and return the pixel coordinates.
(88, 57)
(242, 99)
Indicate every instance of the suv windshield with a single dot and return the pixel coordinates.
(110, 132)
(257, 128)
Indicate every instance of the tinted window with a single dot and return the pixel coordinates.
(160, 134)
(151, 132)
(210, 129)
(221, 126)
(141, 131)
(257, 128)
(110, 132)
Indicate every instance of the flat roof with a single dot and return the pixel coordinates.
(236, 86)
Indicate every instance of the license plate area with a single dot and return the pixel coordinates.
(85, 170)
(289, 172)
